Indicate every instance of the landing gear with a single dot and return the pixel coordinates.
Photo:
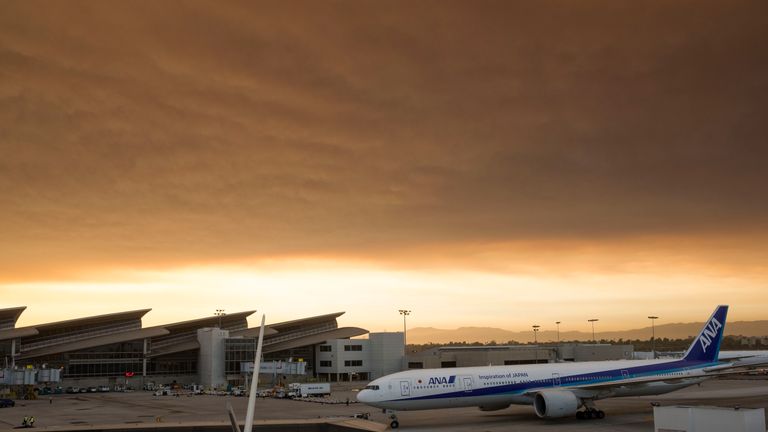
(590, 413)
(394, 424)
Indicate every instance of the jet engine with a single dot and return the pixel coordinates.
(555, 404)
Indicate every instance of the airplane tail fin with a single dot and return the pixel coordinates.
(706, 346)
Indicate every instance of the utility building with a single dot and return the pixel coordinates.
(448, 357)
(445, 357)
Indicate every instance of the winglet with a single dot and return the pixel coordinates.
(706, 346)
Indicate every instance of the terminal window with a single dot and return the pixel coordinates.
(326, 363)
(353, 362)
(325, 348)
(353, 347)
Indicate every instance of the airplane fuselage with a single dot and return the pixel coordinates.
(495, 387)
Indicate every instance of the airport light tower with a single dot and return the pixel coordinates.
(535, 330)
(653, 334)
(404, 313)
(593, 320)
(558, 331)
(219, 313)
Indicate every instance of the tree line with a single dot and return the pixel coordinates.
(661, 344)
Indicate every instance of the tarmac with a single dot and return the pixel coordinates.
(141, 410)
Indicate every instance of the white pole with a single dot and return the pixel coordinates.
(255, 382)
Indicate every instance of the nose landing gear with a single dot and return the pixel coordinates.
(394, 424)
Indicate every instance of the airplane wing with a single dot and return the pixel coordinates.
(739, 365)
(609, 389)
(737, 355)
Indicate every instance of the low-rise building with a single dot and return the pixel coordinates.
(445, 357)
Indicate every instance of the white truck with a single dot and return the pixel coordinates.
(164, 391)
(308, 389)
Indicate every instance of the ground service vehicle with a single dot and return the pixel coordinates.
(309, 389)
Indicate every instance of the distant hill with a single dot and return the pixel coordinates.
(421, 335)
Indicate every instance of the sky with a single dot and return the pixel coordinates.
(490, 163)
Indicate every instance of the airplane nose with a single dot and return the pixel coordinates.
(364, 396)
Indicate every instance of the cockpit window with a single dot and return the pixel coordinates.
(371, 387)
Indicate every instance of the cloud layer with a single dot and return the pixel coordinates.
(146, 133)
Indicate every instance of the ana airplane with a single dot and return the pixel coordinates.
(554, 389)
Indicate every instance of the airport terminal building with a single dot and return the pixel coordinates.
(115, 349)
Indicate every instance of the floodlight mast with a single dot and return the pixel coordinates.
(404, 313)
(593, 320)
(653, 319)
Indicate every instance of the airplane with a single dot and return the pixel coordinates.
(555, 389)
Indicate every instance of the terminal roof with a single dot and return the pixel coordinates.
(17, 333)
(9, 316)
(339, 333)
(209, 321)
(281, 326)
(91, 320)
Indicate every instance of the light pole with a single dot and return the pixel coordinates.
(653, 334)
(404, 313)
(219, 313)
(535, 330)
(593, 320)
(558, 331)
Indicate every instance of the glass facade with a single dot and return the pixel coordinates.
(180, 363)
(243, 350)
(115, 360)
(236, 352)
(109, 360)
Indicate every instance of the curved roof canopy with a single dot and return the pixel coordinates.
(339, 333)
(92, 320)
(209, 321)
(9, 316)
(17, 333)
(285, 325)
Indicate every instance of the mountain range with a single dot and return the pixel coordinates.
(423, 335)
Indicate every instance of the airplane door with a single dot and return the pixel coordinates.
(467, 384)
(625, 374)
(555, 380)
(405, 388)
